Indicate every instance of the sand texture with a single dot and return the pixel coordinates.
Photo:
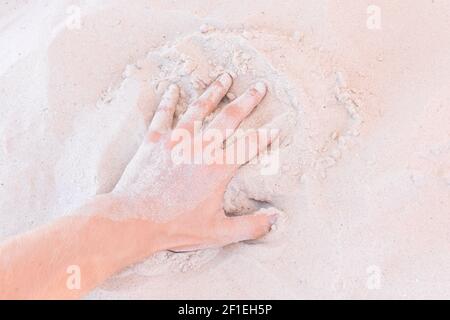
(364, 172)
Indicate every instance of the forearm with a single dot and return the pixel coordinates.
(42, 264)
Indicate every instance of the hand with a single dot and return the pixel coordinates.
(158, 204)
(186, 199)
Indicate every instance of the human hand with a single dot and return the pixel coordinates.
(160, 203)
(186, 199)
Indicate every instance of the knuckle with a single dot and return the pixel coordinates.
(166, 108)
(202, 104)
(234, 112)
(153, 136)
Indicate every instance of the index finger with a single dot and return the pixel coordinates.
(207, 103)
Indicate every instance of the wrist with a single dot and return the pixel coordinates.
(123, 238)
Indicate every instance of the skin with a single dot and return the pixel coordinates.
(157, 205)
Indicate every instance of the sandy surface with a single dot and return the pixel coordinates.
(365, 160)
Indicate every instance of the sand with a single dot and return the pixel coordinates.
(362, 95)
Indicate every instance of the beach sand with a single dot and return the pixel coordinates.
(360, 91)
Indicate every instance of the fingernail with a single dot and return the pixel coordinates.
(261, 87)
(173, 88)
(273, 219)
(225, 79)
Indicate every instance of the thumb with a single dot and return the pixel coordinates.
(250, 227)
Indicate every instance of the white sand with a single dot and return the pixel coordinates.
(365, 159)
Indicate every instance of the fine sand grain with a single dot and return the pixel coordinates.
(364, 175)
